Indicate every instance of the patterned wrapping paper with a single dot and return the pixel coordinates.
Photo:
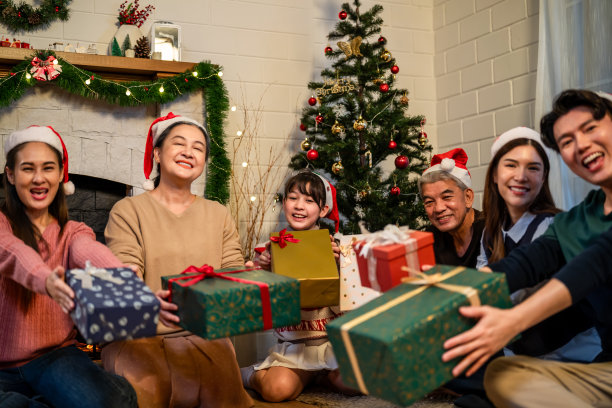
(214, 307)
(312, 262)
(112, 304)
(381, 255)
(352, 293)
(392, 346)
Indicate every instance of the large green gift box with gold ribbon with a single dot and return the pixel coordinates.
(392, 346)
(308, 257)
(222, 303)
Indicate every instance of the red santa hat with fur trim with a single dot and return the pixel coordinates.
(158, 127)
(44, 134)
(330, 201)
(454, 163)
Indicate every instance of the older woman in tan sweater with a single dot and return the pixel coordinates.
(162, 232)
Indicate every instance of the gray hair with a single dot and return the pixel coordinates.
(436, 176)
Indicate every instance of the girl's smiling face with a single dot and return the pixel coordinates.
(302, 211)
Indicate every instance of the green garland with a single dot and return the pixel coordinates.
(24, 17)
(203, 76)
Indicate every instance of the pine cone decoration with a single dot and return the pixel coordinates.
(34, 19)
(9, 12)
(142, 48)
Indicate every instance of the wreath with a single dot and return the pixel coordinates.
(24, 17)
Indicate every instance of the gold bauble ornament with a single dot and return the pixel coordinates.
(385, 56)
(378, 81)
(337, 128)
(337, 167)
(404, 99)
(360, 124)
(306, 145)
(422, 141)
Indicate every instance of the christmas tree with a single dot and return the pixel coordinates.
(357, 131)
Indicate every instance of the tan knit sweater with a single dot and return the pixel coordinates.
(143, 232)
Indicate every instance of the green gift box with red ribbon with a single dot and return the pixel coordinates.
(227, 302)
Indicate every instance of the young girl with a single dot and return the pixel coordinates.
(162, 232)
(39, 363)
(303, 351)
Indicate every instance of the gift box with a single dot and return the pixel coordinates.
(392, 346)
(112, 304)
(352, 293)
(381, 256)
(308, 257)
(232, 301)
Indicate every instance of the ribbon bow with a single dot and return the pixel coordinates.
(392, 234)
(435, 279)
(86, 276)
(283, 238)
(206, 271)
(46, 70)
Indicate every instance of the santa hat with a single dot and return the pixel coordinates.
(520, 132)
(454, 163)
(330, 201)
(44, 134)
(158, 127)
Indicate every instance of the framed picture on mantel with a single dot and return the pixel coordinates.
(165, 41)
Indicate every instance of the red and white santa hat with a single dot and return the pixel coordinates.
(155, 130)
(520, 132)
(44, 134)
(454, 163)
(330, 201)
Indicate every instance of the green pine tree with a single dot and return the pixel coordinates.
(127, 44)
(115, 49)
(353, 89)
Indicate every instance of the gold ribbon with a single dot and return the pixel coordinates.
(424, 282)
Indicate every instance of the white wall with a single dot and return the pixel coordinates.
(485, 68)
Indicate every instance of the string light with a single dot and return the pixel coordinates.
(245, 164)
(239, 133)
(220, 73)
(234, 108)
(195, 73)
(88, 81)
(28, 76)
(253, 198)
(128, 93)
(161, 89)
(55, 62)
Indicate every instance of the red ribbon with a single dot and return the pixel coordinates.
(206, 271)
(283, 238)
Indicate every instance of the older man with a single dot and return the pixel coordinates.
(447, 195)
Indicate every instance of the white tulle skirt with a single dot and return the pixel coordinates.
(300, 356)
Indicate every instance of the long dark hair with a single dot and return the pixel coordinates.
(495, 206)
(15, 210)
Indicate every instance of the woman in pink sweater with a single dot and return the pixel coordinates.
(39, 364)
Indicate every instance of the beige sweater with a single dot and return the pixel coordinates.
(142, 232)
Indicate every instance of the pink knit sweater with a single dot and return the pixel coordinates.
(28, 331)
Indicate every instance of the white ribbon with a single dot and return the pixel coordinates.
(392, 234)
(86, 276)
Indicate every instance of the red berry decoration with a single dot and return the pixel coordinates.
(382, 40)
(394, 69)
(328, 50)
(312, 154)
(392, 144)
(312, 101)
(395, 190)
(319, 119)
(302, 127)
(342, 15)
(401, 162)
(384, 88)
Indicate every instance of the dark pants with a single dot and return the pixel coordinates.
(65, 377)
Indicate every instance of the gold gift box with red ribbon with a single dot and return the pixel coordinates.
(392, 346)
(308, 257)
(381, 256)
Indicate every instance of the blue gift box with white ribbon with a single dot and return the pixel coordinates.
(112, 304)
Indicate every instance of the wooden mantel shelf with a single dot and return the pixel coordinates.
(114, 68)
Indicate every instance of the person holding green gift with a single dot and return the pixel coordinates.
(162, 232)
(575, 254)
(303, 351)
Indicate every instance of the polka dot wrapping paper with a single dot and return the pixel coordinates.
(392, 346)
(112, 304)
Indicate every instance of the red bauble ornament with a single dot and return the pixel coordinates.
(328, 50)
(384, 88)
(401, 162)
(302, 127)
(395, 190)
(342, 15)
(312, 154)
(392, 144)
(382, 40)
(312, 101)
(423, 134)
(319, 118)
(394, 69)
